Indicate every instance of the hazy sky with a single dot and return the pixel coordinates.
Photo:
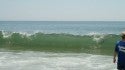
(62, 10)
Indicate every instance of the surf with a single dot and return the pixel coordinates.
(30, 60)
(95, 44)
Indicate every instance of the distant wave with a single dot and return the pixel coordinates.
(91, 43)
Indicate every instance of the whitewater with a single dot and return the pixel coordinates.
(29, 60)
(58, 45)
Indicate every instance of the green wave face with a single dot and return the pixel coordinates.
(94, 44)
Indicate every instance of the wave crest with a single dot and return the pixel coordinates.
(59, 42)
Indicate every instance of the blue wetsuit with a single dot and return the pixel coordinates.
(120, 49)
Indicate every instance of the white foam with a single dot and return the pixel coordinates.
(54, 61)
(98, 38)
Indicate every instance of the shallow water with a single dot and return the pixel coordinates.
(54, 61)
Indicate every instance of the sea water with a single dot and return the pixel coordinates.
(69, 27)
(54, 61)
(63, 45)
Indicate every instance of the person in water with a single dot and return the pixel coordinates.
(120, 52)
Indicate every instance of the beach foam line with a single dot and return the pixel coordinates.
(54, 61)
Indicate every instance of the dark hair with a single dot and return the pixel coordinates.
(123, 36)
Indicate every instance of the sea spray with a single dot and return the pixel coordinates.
(98, 38)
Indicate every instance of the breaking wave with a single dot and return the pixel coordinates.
(91, 43)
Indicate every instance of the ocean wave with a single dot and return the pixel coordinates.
(94, 43)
